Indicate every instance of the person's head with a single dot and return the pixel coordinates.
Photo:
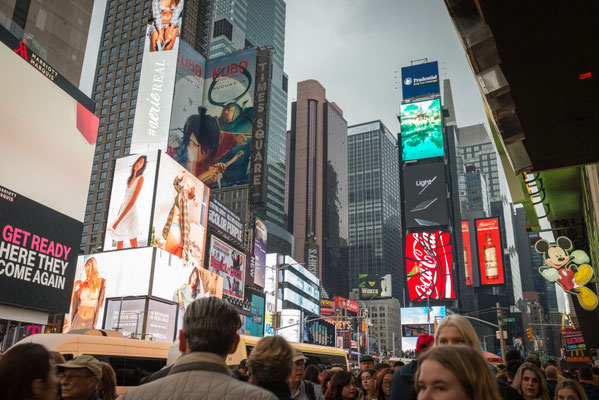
(455, 329)
(382, 385)
(585, 374)
(271, 360)
(210, 325)
(514, 354)
(501, 369)
(107, 386)
(511, 369)
(341, 386)
(79, 377)
(242, 367)
(398, 364)
(455, 372)
(569, 389)
(423, 343)
(138, 168)
(312, 374)
(326, 378)
(533, 359)
(91, 269)
(297, 373)
(231, 112)
(530, 382)
(57, 357)
(194, 282)
(552, 362)
(366, 362)
(380, 366)
(366, 379)
(27, 371)
(551, 373)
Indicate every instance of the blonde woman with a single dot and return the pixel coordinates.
(456, 330)
(455, 373)
(88, 297)
(530, 382)
(270, 365)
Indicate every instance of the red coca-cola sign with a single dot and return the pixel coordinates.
(429, 266)
(467, 253)
(490, 251)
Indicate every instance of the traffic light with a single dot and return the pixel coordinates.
(531, 337)
(363, 326)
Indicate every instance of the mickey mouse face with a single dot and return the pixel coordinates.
(556, 257)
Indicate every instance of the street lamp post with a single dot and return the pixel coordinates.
(277, 269)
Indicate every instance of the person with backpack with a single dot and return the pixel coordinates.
(301, 389)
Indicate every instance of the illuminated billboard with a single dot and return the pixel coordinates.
(48, 134)
(467, 253)
(429, 266)
(290, 324)
(421, 130)
(38, 253)
(421, 315)
(425, 195)
(260, 252)
(373, 286)
(131, 201)
(420, 80)
(225, 222)
(180, 212)
(490, 251)
(230, 264)
(103, 275)
(254, 325)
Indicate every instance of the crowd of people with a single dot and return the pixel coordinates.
(447, 366)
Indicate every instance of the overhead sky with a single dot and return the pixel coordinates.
(356, 48)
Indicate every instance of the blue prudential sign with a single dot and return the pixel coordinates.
(420, 80)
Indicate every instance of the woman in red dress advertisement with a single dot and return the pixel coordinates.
(88, 297)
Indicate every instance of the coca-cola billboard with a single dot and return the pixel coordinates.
(429, 266)
(467, 252)
(490, 257)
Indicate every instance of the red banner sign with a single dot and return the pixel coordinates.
(490, 251)
(467, 252)
(429, 266)
(345, 304)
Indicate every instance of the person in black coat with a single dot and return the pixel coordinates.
(402, 383)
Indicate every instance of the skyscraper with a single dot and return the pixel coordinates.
(238, 25)
(375, 241)
(318, 202)
(115, 93)
(56, 31)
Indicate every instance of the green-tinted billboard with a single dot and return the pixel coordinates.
(421, 130)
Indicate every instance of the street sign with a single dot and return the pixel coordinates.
(509, 319)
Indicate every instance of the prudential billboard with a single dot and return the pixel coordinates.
(420, 80)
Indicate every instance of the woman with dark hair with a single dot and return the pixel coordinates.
(342, 386)
(107, 384)
(569, 389)
(530, 382)
(88, 297)
(366, 384)
(312, 374)
(189, 292)
(382, 384)
(27, 372)
(126, 226)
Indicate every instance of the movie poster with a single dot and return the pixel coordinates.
(180, 212)
(429, 266)
(226, 128)
(131, 202)
(103, 275)
(230, 265)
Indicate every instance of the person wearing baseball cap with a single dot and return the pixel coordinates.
(79, 378)
(402, 383)
(301, 389)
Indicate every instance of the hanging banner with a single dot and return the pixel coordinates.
(490, 251)
(467, 253)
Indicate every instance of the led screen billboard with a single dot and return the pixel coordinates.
(467, 253)
(269, 309)
(103, 275)
(131, 201)
(421, 315)
(157, 78)
(429, 266)
(420, 80)
(38, 253)
(490, 251)
(230, 264)
(374, 286)
(254, 325)
(48, 134)
(225, 222)
(425, 195)
(180, 212)
(260, 252)
(421, 130)
(318, 332)
(290, 324)
(183, 282)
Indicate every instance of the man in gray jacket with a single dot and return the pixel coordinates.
(209, 334)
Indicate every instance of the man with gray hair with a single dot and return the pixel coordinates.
(209, 334)
(551, 375)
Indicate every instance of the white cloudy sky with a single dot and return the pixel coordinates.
(354, 47)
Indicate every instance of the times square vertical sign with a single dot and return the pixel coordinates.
(258, 165)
